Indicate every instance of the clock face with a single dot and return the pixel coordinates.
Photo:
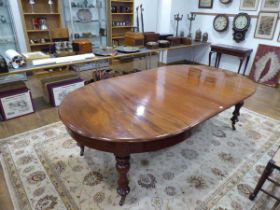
(220, 23)
(241, 22)
(225, 1)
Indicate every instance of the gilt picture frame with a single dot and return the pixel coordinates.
(250, 5)
(270, 5)
(266, 25)
(205, 4)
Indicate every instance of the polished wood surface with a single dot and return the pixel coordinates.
(152, 105)
(150, 110)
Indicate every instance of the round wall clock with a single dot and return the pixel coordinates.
(225, 1)
(241, 23)
(220, 23)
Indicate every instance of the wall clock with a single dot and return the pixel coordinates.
(225, 1)
(241, 23)
(220, 23)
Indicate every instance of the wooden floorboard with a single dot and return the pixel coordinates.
(265, 101)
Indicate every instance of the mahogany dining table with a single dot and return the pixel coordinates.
(150, 110)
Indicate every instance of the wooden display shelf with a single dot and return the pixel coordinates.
(42, 44)
(41, 13)
(36, 31)
(41, 9)
(122, 13)
(118, 32)
(123, 27)
(124, 1)
(118, 37)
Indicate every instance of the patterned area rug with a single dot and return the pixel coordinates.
(216, 168)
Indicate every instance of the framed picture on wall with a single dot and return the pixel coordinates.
(266, 25)
(205, 4)
(270, 5)
(249, 4)
(265, 68)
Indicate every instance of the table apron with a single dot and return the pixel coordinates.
(127, 148)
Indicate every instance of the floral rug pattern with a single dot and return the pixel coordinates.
(216, 169)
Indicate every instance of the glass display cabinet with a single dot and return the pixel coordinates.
(87, 19)
(8, 38)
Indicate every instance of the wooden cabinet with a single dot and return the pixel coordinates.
(38, 20)
(121, 20)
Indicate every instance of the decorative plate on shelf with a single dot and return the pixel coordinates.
(84, 15)
(104, 52)
(128, 49)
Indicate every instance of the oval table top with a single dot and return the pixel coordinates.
(151, 105)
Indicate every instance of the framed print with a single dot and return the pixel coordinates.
(205, 4)
(266, 65)
(17, 105)
(266, 25)
(59, 90)
(249, 4)
(270, 5)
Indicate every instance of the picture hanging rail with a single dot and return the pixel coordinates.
(228, 14)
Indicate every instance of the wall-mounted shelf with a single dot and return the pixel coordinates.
(215, 14)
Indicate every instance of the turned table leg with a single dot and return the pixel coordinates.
(240, 65)
(122, 166)
(210, 57)
(82, 151)
(236, 114)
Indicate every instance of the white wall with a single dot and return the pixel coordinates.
(183, 8)
(164, 14)
(205, 23)
(151, 9)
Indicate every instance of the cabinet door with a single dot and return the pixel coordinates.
(7, 32)
(87, 19)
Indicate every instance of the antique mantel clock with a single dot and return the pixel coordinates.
(241, 23)
(221, 22)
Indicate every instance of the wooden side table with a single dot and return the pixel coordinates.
(242, 53)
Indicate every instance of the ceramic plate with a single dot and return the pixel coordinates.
(84, 15)
(128, 49)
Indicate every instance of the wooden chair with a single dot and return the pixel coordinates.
(274, 163)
